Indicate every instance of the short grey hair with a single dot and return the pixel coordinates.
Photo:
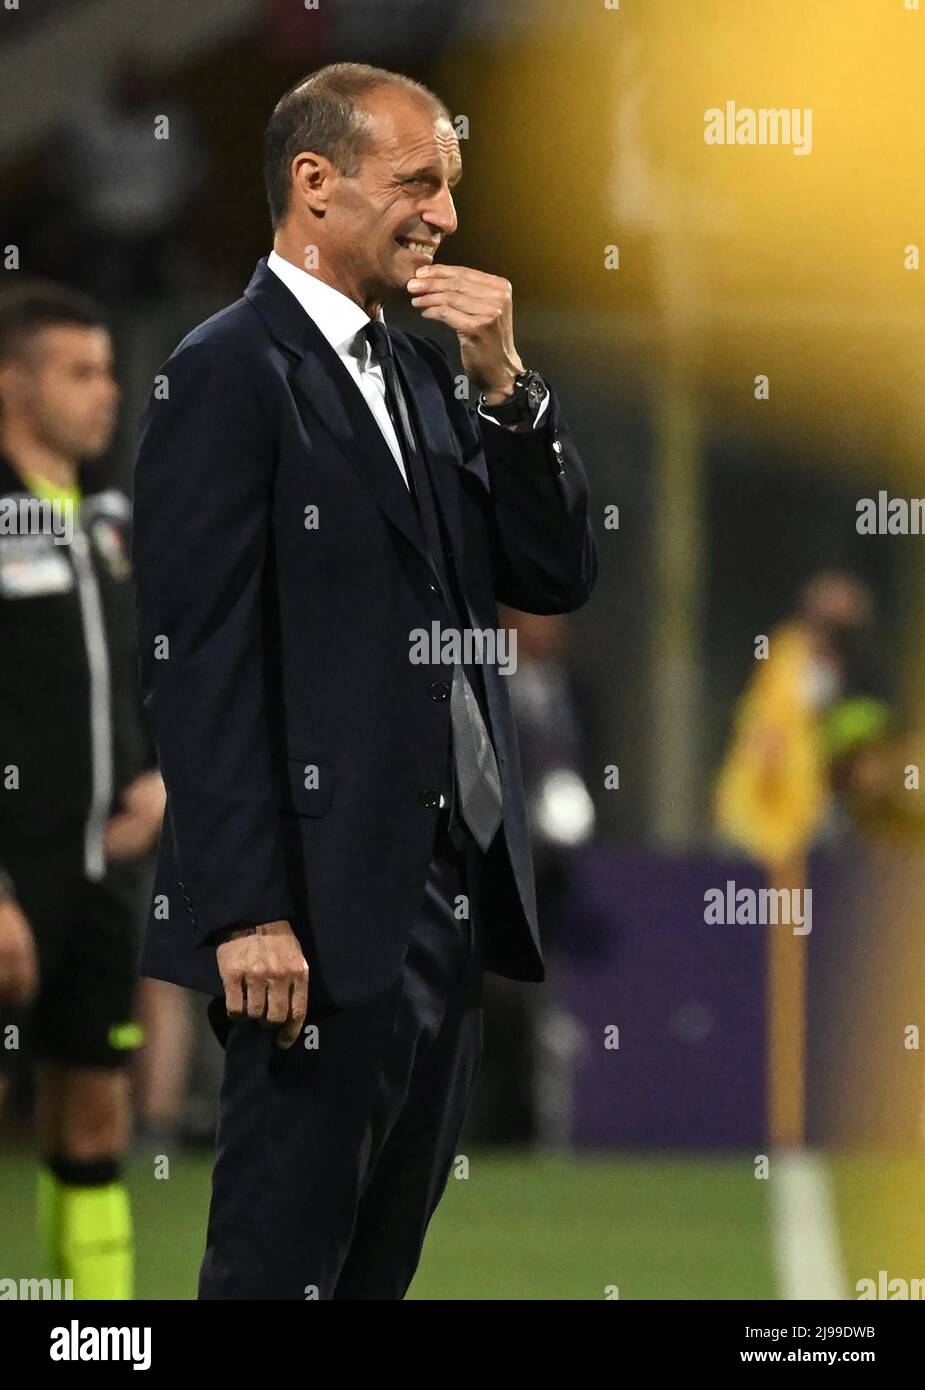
(324, 113)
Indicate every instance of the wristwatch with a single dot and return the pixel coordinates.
(523, 406)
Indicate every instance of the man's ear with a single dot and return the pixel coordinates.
(313, 179)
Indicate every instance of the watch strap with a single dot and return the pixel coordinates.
(524, 404)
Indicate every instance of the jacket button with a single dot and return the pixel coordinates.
(439, 690)
(429, 798)
(435, 588)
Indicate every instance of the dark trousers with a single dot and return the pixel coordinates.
(332, 1158)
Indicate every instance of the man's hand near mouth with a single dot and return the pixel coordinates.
(480, 309)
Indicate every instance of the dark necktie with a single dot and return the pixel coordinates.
(477, 780)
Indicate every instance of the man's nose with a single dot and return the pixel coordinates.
(440, 212)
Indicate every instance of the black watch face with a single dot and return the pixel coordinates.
(535, 391)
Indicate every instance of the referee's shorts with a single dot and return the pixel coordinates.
(88, 940)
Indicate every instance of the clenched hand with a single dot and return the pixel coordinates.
(480, 308)
(265, 976)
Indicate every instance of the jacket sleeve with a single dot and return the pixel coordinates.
(202, 515)
(543, 549)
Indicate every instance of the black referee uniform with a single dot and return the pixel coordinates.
(72, 738)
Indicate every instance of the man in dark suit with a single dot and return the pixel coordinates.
(322, 533)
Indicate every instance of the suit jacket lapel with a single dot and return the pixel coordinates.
(324, 386)
(327, 388)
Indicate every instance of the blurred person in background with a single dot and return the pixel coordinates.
(532, 1042)
(178, 1072)
(80, 799)
(119, 179)
(774, 794)
(875, 766)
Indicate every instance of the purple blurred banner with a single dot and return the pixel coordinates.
(689, 1001)
(687, 998)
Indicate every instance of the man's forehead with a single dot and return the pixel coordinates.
(71, 340)
(406, 130)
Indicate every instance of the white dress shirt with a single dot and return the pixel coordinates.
(341, 321)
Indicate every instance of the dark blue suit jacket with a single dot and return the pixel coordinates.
(299, 745)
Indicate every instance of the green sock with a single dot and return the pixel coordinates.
(47, 1211)
(88, 1234)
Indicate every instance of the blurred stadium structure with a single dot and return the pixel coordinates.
(656, 278)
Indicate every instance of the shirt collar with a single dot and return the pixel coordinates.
(338, 318)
